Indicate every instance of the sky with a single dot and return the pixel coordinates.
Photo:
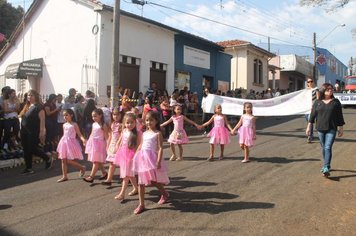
(284, 21)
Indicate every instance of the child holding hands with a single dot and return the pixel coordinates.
(219, 133)
(247, 130)
(69, 149)
(178, 136)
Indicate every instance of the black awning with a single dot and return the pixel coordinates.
(24, 69)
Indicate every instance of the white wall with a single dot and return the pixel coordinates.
(60, 32)
(141, 40)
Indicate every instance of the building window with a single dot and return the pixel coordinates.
(257, 71)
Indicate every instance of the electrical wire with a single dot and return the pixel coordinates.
(222, 23)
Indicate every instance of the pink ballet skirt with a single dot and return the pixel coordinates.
(115, 135)
(178, 136)
(145, 159)
(96, 145)
(124, 156)
(245, 132)
(69, 147)
(219, 134)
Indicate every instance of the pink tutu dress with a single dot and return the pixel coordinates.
(115, 135)
(124, 156)
(245, 132)
(219, 134)
(178, 136)
(145, 159)
(96, 145)
(69, 147)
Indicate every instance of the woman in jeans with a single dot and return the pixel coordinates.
(328, 111)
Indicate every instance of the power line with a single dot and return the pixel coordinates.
(221, 23)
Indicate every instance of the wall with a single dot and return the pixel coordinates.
(219, 62)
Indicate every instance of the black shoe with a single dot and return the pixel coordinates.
(27, 172)
(48, 163)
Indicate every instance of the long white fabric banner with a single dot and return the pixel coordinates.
(346, 98)
(299, 102)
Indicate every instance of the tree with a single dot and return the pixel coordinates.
(329, 5)
(9, 18)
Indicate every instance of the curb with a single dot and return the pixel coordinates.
(11, 163)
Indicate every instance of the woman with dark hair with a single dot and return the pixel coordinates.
(328, 112)
(87, 120)
(33, 131)
(51, 112)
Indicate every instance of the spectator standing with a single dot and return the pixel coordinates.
(60, 117)
(33, 132)
(11, 122)
(87, 121)
(51, 114)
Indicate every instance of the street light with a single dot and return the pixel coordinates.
(316, 44)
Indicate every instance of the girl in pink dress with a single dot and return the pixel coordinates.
(69, 149)
(247, 130)
(219, 134)
(96, 146)
(139, 125)
(148, 162)
(178, 136)
(114, 136)
(127, 145)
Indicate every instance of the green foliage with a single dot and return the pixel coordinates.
(9, 18)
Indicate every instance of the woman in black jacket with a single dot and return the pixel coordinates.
(327, 111)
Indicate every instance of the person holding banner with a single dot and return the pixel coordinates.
(219, 133)
(315, 96)
(206, 116)
(328, 111)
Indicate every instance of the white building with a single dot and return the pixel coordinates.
(249, 65)
(74, 39)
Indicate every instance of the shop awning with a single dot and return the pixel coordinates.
(26, 68)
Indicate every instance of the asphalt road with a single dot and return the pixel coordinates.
(280, 192)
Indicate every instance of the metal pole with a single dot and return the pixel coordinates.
(115, 75)
(314, 58)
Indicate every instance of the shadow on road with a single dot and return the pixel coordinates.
(281, 160)
(204, 201)
(338, 178)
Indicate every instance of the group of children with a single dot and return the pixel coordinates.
(140, 153)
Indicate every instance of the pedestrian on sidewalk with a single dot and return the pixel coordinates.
(69, 149)
(247, 131)
(33, 132)
(328, 111)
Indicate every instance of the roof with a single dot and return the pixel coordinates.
(97, 6)
(242, 43)
(232, 43)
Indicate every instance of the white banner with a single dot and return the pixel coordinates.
(299, 102)
(346, 98)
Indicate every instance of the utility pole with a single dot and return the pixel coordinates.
(115, 75)
(314, 58)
